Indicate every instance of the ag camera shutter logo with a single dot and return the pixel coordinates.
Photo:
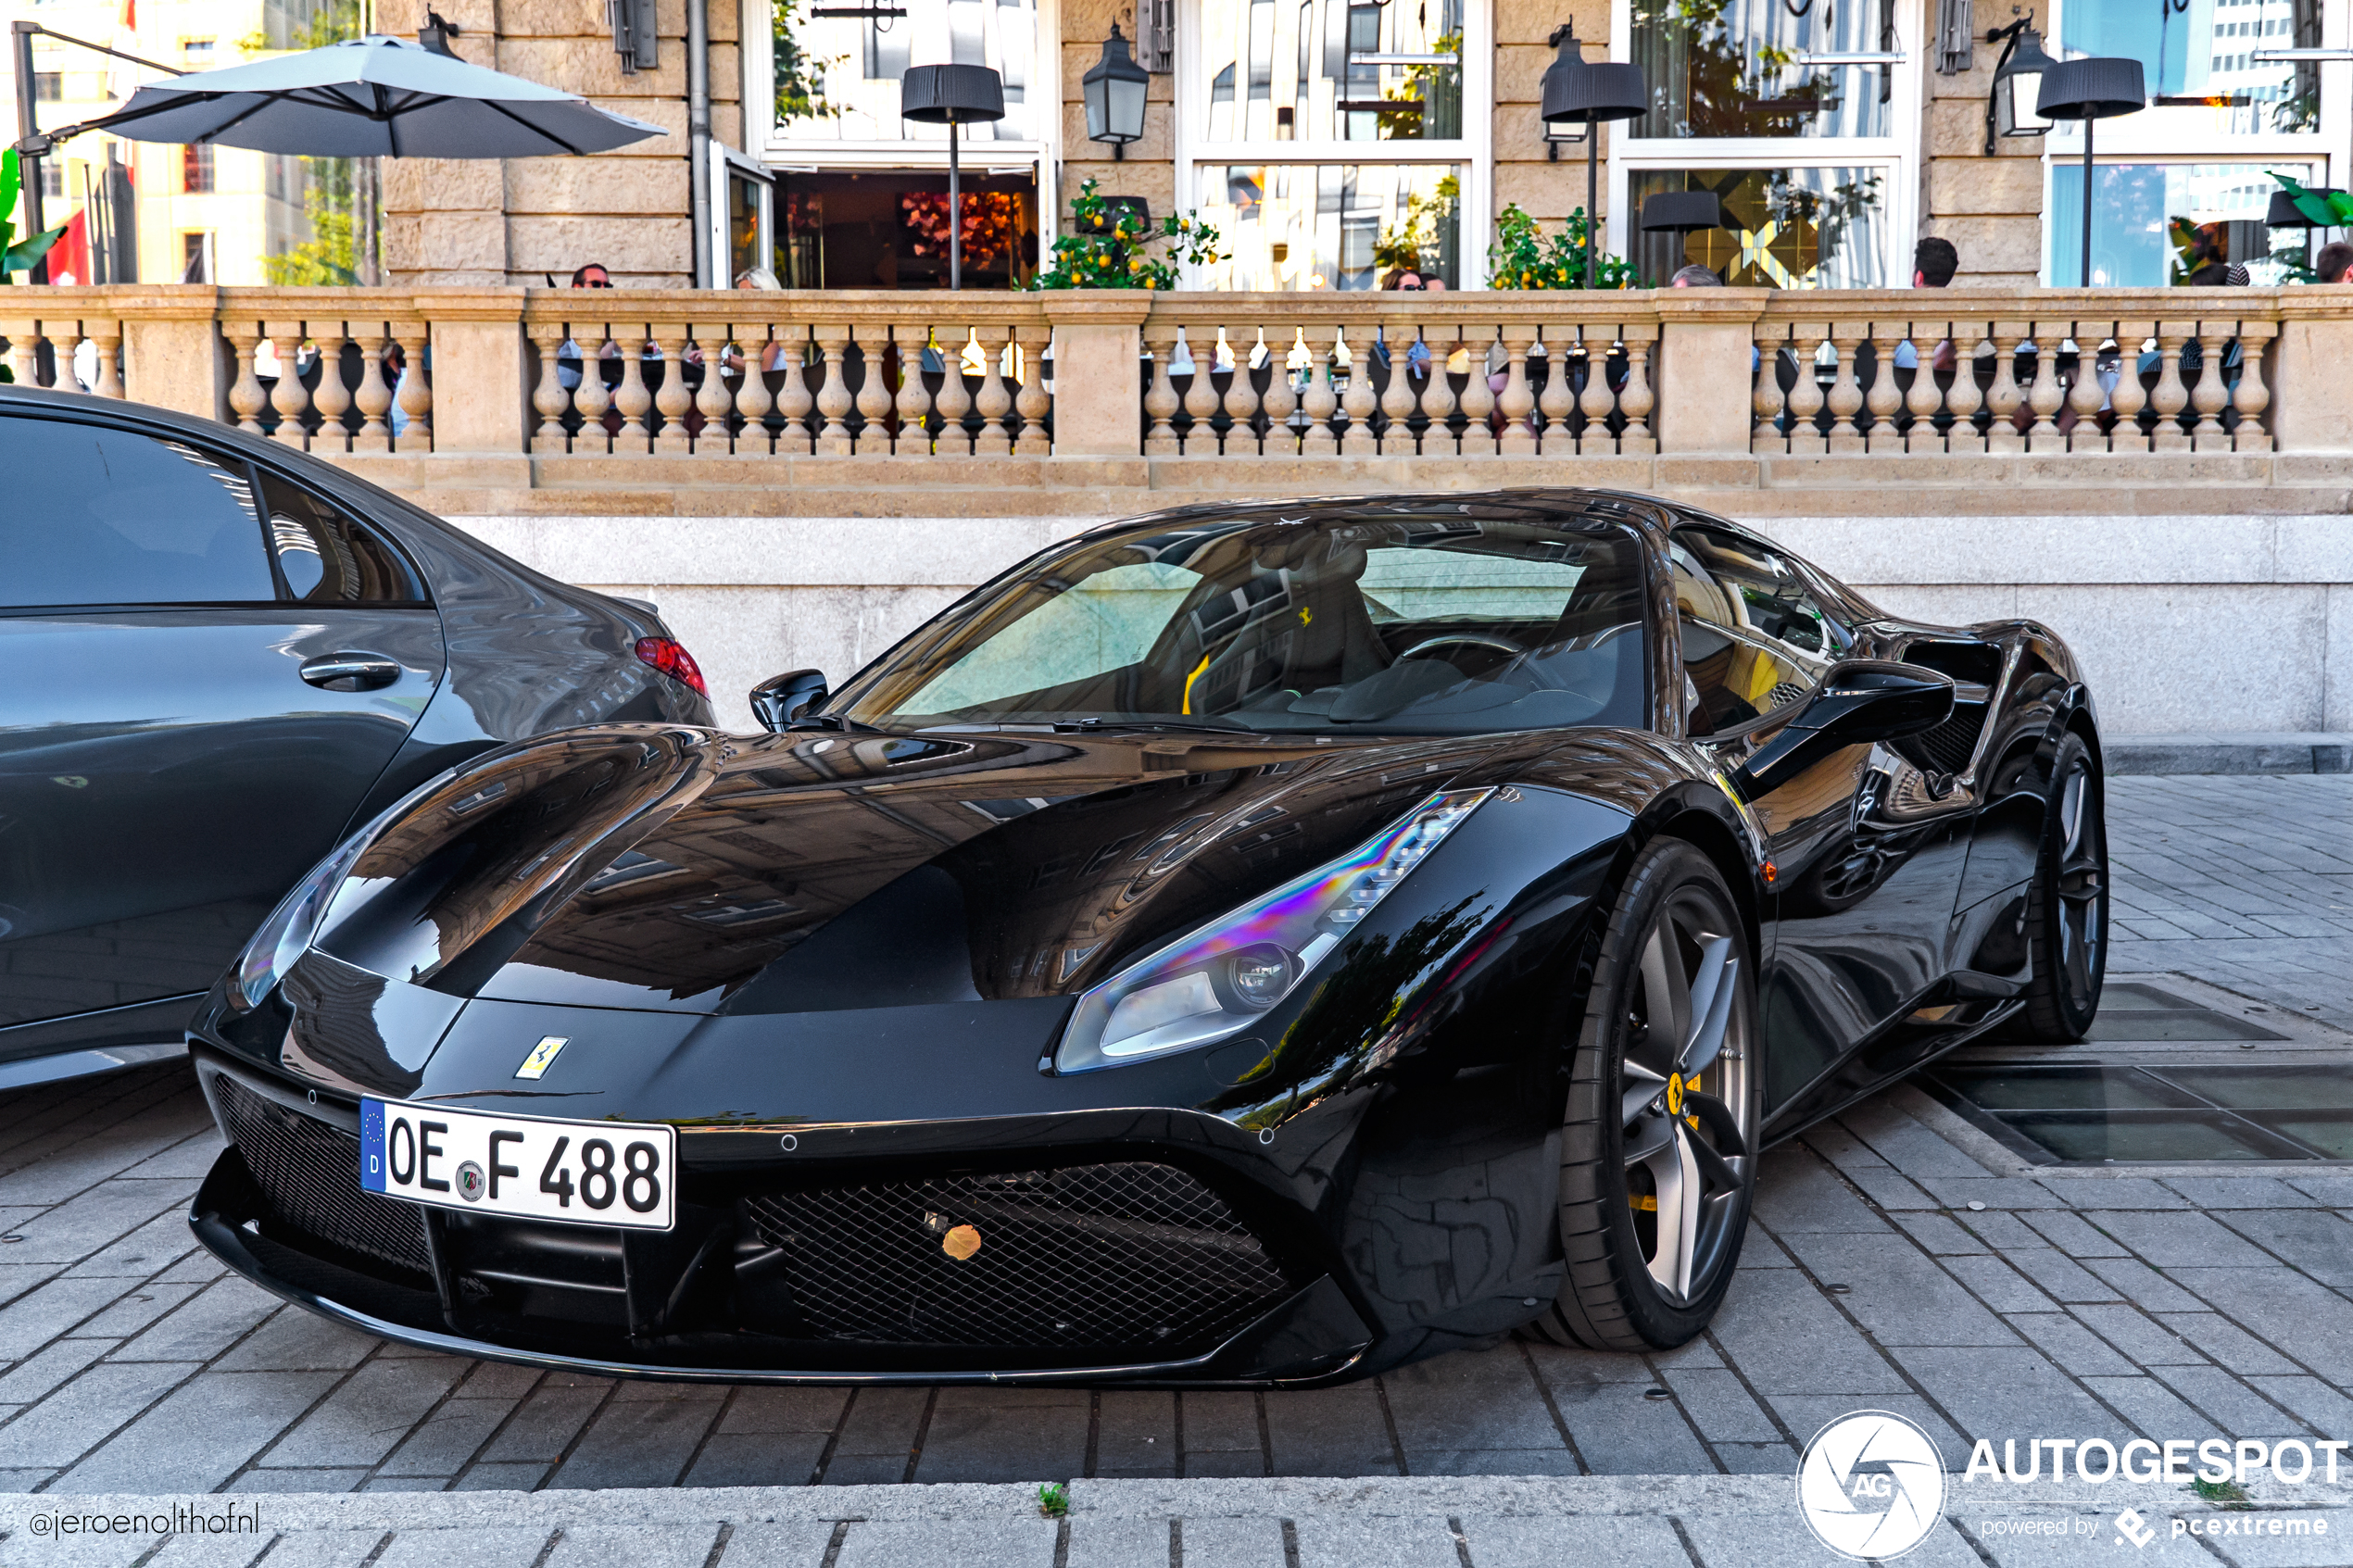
(1872, 1485)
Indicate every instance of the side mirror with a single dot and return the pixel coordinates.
(1862, 699)
(782, 700)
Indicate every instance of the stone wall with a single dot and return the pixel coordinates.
(520, 220)
(1989, 207)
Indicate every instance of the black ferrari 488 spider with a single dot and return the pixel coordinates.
(1254, 943)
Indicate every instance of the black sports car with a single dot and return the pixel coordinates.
(1248, 944)
(224, 656)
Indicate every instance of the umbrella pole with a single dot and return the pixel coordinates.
(1593, 194)
(955, 211)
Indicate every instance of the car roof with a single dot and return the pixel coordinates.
(1574, 507)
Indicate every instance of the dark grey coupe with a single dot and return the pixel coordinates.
(221, 657)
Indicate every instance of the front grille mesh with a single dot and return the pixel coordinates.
(310, 1172)
(1135, 1257)
(1950, 745)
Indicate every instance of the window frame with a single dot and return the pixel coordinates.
(1895, 156)
(1473, 151)
(1809, 575)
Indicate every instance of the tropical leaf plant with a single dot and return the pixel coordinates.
(14, 257)
(2330, 209)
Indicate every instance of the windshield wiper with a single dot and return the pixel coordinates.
(1188, 726)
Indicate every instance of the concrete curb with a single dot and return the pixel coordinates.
(2309, 751)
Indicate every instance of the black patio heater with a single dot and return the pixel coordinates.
(2088, 90)
(1583, 93)
(953, 96)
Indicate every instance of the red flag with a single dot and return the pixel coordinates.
(69, 257)
(130, 13)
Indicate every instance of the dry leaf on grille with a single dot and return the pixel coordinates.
(961, 1243)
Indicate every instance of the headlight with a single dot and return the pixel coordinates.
(1221, 979)
(271, 951)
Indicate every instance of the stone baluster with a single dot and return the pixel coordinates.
(2171, 396)
(2005, 398)
(289, 397)
(1635, 399)
(1921, 400)
(2083, 389)
(246, 395)
(1519, 399)
(1966, 397)
(713, 400)
(1806, 393)
(330, 397)
(1161, 402)
(108, 339)
(1201, 401)
(914, 402)
(24, 352)
(1557, 402)
(592, 398)
(1397, 399)
(834, 401)
(1321, 403)
(955, 397)
(2251, 398)
(752, 397)
(2044, 398)
(549, 399)
(994, 402)
(1243, 401)
(1846, 391)
(1766, 401)
(874, 400)
(633, 397)
(1358, 401)
(795, 402)
(373, 397)
(675, 399)
(2131, 398)
(1885, 399)
(1280, 400)
(1031, 404)
(1479, 399)
(1596, 400)
(2212, 395)
(415, 393)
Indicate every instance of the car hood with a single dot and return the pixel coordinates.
(814, 872)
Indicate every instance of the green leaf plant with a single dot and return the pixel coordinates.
(1523, 256)
(15, 257)
(1108, 251)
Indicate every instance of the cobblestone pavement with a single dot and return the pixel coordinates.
(1900, 1259)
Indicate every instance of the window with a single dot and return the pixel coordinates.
(1755, 637)
(2218, 123)
(195, 168)
(197, 52)
(196, 258)
(835, 79)
(1334, 143)
(100, 516)
(1101, 624)
(325, 557)
(48, 87)
(1813, 162)
(53, 178)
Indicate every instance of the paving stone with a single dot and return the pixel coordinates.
(1011, 1543)
(1807, 1415)
(2335, 1191)
(80, 1226)
(305, 1341)
(2281, 1306)
(1938, 1234)
(799, 1543)
(512, 1475)
(2156, 1410)
(1994, 1192)
(2227, 1402)
(544, 1425)
(445, 1440)
(2143, 1287)
(1908, 1143)
(2240, 1192)
(362, 1421)
(1331, 1431)
(1098, 1541)
(1889, 1187)
(1993, 1392)
(1722, 1409)
(644, 1441)
(2181, 1240)
(34, 1377)
(2113, 1193)
(764, 1407)
(265, 1481)
(1487, 1401)
(199, 1434)
(2069, 1232)
(2072, 1345)
(1244, 1543)
(217, 1318)
(1997, 1285)
(135, 1311)
(1617, 1431)
(63, 1427)
(2227, 1343)
(2315, 1241)
(2314, 1402)
(756, 1458)
(640, 1545)
(1027, 1435)
(1788, 1338)
(1999, 1230)
(1796, 1191)
(1342, 1542)
(53, 1309)
(2058, 1277)
(1899, 1295)
(476, 1546)
(1134, 1433)
(145, 1253)
(2143, 1340)
(1624, 1541)
(1555, 1461)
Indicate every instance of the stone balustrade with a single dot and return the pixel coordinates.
(1213, 378)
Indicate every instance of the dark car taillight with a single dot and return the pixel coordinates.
(671, 658)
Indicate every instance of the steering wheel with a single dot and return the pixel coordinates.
(1465, 639)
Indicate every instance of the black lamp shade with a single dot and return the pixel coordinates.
(2284, 214)
(1682, 212)
(1584, 92)
(2017, 85)
(951, 95)
(2100, 88)
(1115, 94)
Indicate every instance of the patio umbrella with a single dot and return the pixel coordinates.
(369, 97)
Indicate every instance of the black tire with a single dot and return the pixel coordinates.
(2066, 902)
(1625, 1289)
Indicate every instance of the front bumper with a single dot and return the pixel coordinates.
(1116, 1247)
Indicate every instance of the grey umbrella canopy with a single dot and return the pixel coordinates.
(371, 97)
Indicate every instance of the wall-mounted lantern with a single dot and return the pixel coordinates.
(2018, 84)
(1115, 94)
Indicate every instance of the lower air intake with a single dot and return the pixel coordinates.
(310, 1172)
(1136, 1257)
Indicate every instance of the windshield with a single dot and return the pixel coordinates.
(1393, 625)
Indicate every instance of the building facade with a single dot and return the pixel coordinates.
(1329, 141)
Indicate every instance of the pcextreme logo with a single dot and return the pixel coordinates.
(1872, 1485)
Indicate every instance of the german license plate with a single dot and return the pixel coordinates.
(483, 1162)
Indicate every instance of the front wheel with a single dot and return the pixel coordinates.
(2066, 902)
(1658, 1158)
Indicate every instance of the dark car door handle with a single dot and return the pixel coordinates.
(350, 671)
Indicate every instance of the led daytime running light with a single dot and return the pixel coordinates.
(1222, 978)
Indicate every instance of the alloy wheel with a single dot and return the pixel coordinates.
(1685, 1098)
(2082, 885)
